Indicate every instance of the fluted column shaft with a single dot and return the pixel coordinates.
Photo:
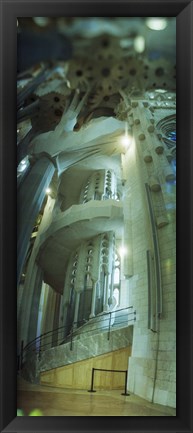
(106, 292)
(77, 301)
(93, 303)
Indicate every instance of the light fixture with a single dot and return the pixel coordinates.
(23, 164)
(126, 139)
(139, 44)
(160, 91)
(156, 23)
(122, 251)
(22, 167)
(48, 190)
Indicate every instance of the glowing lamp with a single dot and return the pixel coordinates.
(122, 251)
(156, 23)
(126, 141)
(139, 44)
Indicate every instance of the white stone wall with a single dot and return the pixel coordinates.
(152, 364)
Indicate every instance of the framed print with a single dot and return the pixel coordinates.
(94, 96)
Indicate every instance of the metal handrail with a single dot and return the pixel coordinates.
(39, 344)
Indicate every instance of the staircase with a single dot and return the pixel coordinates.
(103, 334)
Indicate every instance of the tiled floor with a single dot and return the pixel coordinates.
(67, 402)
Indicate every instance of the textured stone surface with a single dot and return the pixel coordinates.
(83, 347)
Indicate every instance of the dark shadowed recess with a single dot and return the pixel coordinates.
(183, 11)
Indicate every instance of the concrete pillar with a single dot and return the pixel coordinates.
(77, 301)
(30, 197)
(33, 318)
(112, 283)
(49, 318)
(123, 169)
(32, 85)
(93, 303)
(57, 335)
(28, 299)
(43, 329)
(23, 145)
(106, 293)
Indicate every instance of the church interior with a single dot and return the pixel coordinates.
(96, 215)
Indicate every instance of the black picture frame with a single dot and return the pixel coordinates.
(10, 10)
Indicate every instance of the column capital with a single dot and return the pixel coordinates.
(37, 156)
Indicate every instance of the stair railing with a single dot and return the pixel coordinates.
(102, 322)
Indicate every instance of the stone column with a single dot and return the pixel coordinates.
(106, 294)
(76, 308)
(23, 145)
(92, 313)
(29, 298)
(33, 318)
(123, 169)
(49, 319)
(43, 328)
(30, 197)
(56, 336)
(32, 86)
(111, 265)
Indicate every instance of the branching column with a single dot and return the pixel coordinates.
(30, 196)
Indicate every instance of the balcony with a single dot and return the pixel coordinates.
(69, 229)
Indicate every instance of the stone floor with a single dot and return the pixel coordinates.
(68, 402)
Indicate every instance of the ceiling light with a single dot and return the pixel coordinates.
(156, 23)
(160, 91)
(139, 44)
